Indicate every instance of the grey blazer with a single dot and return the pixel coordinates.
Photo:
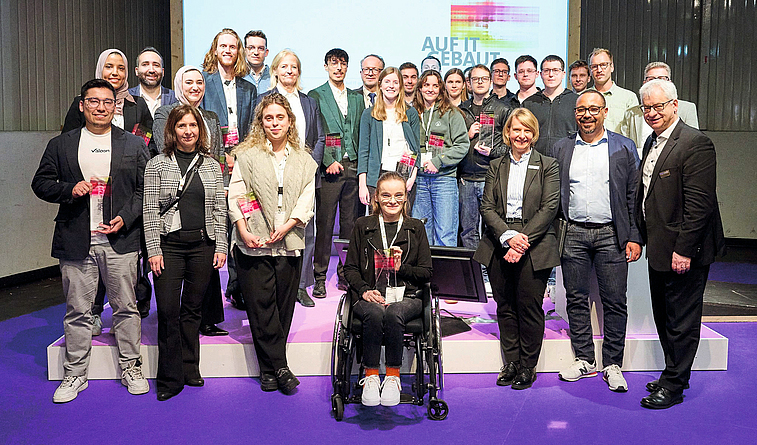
(162, 176)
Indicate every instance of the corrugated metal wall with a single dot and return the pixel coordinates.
(710, 45)
(50, 48)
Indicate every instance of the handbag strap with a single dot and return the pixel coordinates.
(180, 193)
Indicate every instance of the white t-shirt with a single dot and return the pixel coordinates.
(94, 162)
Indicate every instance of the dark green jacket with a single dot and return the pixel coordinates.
(333, 122)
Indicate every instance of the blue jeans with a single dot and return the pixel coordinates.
(436, 200)
(597, 247)
(470, 201)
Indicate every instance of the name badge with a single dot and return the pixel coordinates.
(394, 294)
(665, 174)
(533, 167)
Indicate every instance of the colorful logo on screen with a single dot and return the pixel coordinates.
(495, 24)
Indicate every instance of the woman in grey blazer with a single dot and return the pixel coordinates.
(184, 211)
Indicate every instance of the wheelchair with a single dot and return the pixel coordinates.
(422, 333)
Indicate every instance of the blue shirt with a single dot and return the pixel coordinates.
(263, 83)
(590, 182)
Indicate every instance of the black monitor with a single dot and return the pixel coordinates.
(457, 276)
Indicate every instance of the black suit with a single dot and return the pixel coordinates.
(519, 288)
(682, 216)
(59, 172)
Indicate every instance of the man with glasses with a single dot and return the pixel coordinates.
(409, 73)
(579, 76)
(500, 69)
(370, 68)
(340, 114)
(634, 126)
(485, 117)
(526, 74)
(598, 170)
(95, 174)
(618, 99)
(553, 106)
(678, 217)
(256, 50)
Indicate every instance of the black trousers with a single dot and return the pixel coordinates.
(385, 325)
(336, 190)
(212, 301)
(269, 285)
(519, 292)
(188, 265)
(677, 302)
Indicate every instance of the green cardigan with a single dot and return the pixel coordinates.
(452, 127)
(372, 144)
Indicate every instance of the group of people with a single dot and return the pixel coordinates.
(236, 166)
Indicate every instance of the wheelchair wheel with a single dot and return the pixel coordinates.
(437, 344)
(437, 409)
(337, 407)
(336, 341)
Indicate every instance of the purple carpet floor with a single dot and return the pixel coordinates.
(718, 409)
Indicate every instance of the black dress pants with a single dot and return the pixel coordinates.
(336, 190)
(519, 292)
(677, 302)
(188, 264)
(269, 285)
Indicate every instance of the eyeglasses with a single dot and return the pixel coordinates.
(481, 79)
(524, 72)
(501, 72)
(390, 198)
(657, 107)
(93, 103)
(580, 111)
(549, 71)
(371, 70)
(597, 66)
(650, 78)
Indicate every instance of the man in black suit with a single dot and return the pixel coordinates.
(678, 217)
(598, 170)
(370, 68)
(96, 174)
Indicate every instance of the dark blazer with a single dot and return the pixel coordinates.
(215, 101)
(332, 121)
(59, 172)
(167, 97)
(359, 269)
(624, 166)
(682, 213)
(541, 198)
(315, 139)
(134, 113)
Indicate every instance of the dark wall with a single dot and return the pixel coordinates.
(710, 46)
(50, 48)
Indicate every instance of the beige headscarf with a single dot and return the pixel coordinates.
(123, 92)
(178, 84)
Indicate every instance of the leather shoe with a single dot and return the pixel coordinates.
(268, 382)
(304, 299)
(507, 374)
(165, 395)
(661, 399)
(525, 378)
(286, 380)
(654, 385)
(212, 330)
(319, 289)
(196, 381)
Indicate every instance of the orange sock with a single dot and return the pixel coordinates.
(371, 371)
(394, 372)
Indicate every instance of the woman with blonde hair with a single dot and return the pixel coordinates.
(389, 137)
(271, 197)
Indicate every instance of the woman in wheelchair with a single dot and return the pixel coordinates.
(388, 262)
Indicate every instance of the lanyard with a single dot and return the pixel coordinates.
(183, 180)
(428, 125)
(383, 231)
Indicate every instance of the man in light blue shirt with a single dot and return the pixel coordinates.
(598, 171)
(256, 50)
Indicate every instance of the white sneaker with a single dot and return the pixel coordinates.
(578, 370)
(371, 386)
(133, 379)
(97, 325)
(390, 391)
(69, 388)
(614, 378)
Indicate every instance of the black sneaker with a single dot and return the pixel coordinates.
(319, 289)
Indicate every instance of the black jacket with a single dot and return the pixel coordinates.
(474, 165)
(415, 270)
(557, 118)
(59, 172)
